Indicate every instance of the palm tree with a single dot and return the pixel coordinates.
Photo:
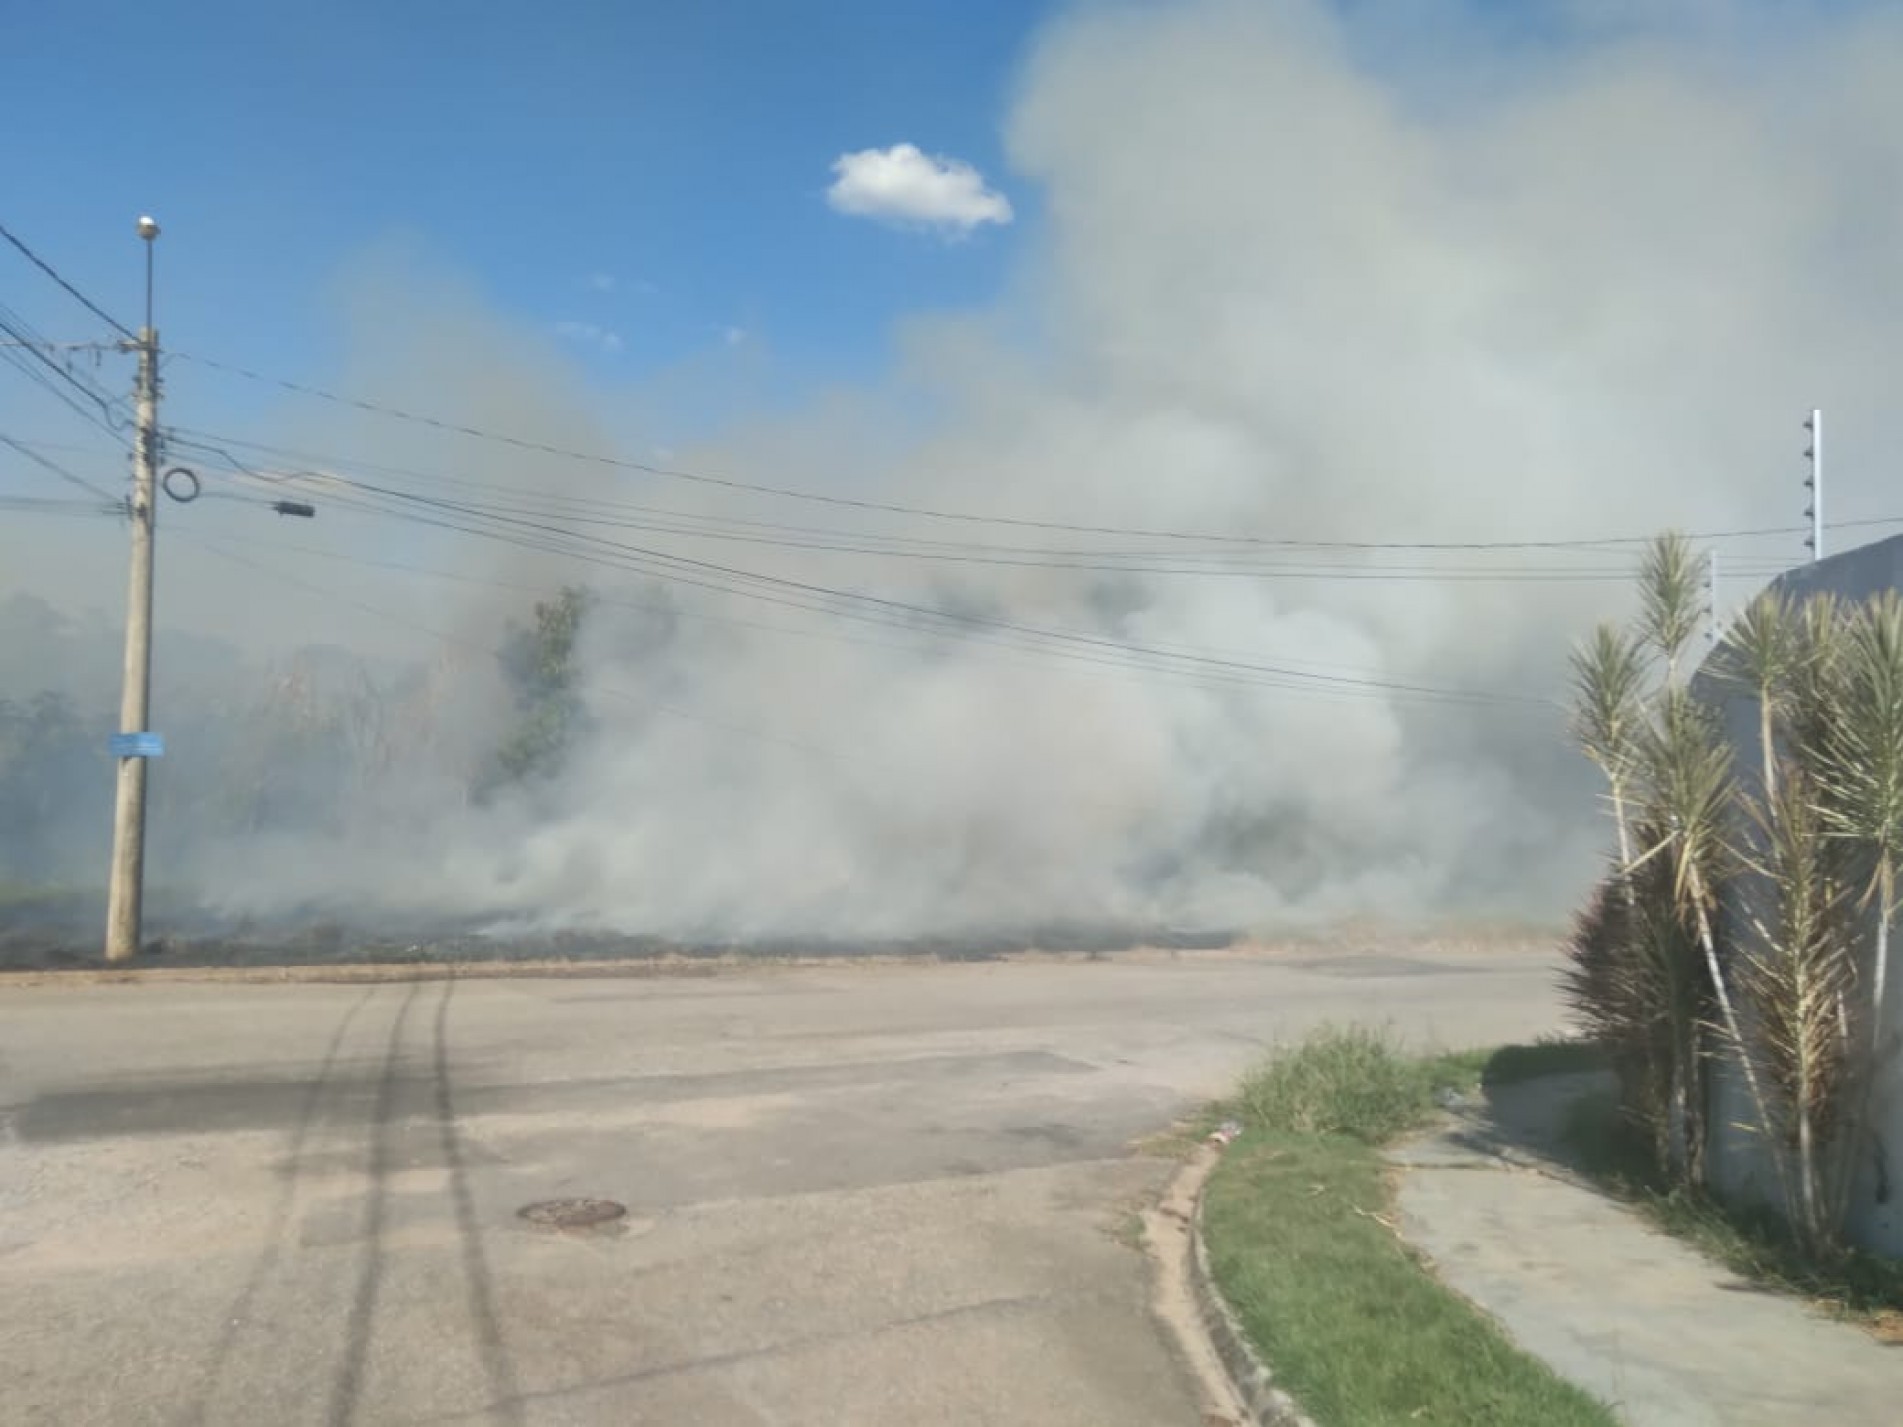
(1608, 713)
(1636, 974)
(1687, 770)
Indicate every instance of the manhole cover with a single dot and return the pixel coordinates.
(573, 1213)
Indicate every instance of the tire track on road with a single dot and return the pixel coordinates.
(240, 1311)
(347, 1391)
(497, 1365)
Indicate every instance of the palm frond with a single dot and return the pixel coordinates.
(1608, 684)
(1761, 652)
(1862, 775)
(1816, 679)
(1671, 589)
(1685, 768)
(1762, 647)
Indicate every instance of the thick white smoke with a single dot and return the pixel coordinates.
(1294, 275)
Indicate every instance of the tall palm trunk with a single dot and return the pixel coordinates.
(1734, 1029)
(1623, 824)
(1880, 978)
(1767, 745)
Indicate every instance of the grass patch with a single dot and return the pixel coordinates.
(1353, 1082)
(1298, 1222)
(1358, 1330)
(1750, 1241)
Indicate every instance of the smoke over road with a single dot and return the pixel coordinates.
(1289, 275)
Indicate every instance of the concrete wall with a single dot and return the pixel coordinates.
(1740, 1162)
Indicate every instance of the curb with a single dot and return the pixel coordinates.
(1254, 1383)
(1248, 1378)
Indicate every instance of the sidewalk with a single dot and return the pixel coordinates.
(1645, 1323)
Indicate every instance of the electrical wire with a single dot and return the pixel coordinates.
(55, 468)
(607, 514)
(672, 610)
(40, 378)
(926, 512)
(83, 300)
(107, 404)
(48, 505)
(1131, 565)
(1071, 644)
(33, 346)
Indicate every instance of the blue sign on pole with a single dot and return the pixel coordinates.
(136, 745)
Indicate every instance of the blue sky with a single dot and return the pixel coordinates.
(656, 171)
(643, 181)
(643, 184)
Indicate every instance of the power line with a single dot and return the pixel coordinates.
(895, 508)
(54, 505)
(41, 461)
(596, 512)
(40, 443)
(837, 609)
(1123, 564)
(31, 345)
(878, 610)
(882, 619)
(14, 359)
(677, 611)
(1061, 643)
(600, 511)
(83, 300)
(1330, 572)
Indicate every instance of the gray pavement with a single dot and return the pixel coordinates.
(863, 1194)
(1640, 1320)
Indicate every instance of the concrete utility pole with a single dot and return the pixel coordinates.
(1815, 483)
(125, 897)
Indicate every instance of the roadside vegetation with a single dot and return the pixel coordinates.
(1735, 960)
(541, 667)
(26, 898)
(1298, 1219)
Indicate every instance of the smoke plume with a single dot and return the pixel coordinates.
(1286, 274)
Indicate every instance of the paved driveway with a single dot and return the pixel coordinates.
(872, 1194)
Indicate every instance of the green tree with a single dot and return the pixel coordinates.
(541, 667)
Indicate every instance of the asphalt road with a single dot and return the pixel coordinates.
(868, 1194)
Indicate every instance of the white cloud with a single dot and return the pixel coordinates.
(733, 336)
(602, 282)
(590, 334)
(903, 185)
